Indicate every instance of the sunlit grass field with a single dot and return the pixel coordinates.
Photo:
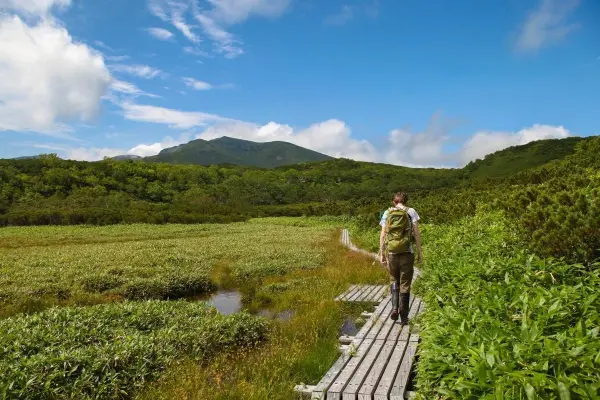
(167, 348)
(41, 266)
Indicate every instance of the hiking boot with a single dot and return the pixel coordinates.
(404, 308)
(395, 302)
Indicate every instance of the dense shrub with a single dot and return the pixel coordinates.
(109, 351)
(501, 324)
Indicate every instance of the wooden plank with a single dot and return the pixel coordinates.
(363, 292)
(361, 372)
(414, 309)
(396, 332)
(421, 307)
(362, 341)
(356, 294)
(387, 378)
(398, 390)
(372, 293)
(321, 388)
(376, 294)
(387, 326)
(346, 292)
(350, 293)
(383, 292)
(371, 321)
(367, 293)
(380, 322)
(368, 387)
(334, 392)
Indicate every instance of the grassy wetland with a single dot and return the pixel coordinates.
(109, 312)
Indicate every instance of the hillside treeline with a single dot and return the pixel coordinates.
(554, 204)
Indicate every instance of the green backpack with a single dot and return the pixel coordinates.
(398, 231)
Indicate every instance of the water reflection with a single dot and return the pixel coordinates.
(226, 301)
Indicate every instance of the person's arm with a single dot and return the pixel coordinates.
(417, 233)
(381, 245)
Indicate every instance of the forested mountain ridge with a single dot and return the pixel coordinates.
(228, 150)
(518, 158)
(48, 190)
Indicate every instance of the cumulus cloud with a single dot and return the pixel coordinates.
(160, 33)
(173, 118)
(331, 137)
(47, 78)
(197, 85)
(142, 71)
(32, 7)
(483, 143)
(546, 25)
(80, 153)
(145, 150)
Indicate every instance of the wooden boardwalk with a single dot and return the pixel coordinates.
(364, 293)
(376, 363)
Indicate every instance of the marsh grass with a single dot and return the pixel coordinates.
(300, 350)
(45, 266)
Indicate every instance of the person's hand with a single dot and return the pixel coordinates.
(420, 258)
(382, 259)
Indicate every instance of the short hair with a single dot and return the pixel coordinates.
(400, 197)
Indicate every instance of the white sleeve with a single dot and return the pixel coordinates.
(413, 214)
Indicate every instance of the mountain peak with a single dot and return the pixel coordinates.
(228, 150)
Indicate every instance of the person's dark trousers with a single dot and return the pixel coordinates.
(401, 269)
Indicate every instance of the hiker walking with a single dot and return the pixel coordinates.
(399, 225)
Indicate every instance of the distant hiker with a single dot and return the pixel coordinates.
(399, 225)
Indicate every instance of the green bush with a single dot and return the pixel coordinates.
(168, 287)
(110, 351)
(501, 324)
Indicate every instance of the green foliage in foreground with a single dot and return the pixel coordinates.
(72, 264)
(110, 351)
(503, 325)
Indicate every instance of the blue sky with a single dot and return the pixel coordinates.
(416, 83)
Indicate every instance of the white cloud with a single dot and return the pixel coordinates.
(143, 71)
(195, 51)
(160, 33)
(78, 153)
(349, 12)
(546, 25)
(146, 150)
(128, 88)
(197, 85)
(483, 143)
(116, 58)
(213, 17)
(47, 78)
(236, 11)
(224, 42)
(99, 153)
(174, 12)
(33, 7)
(174, 118)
